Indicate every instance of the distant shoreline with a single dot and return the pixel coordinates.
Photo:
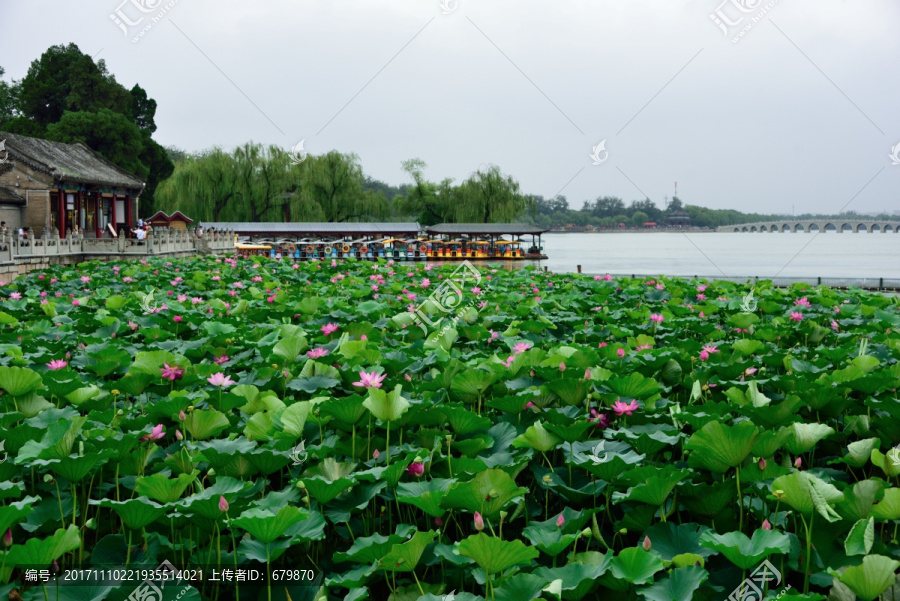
(647, 231)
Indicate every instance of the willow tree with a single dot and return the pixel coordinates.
(265, 180)
(424, 198)
(201, 186)
(334, 182)
(488, 196)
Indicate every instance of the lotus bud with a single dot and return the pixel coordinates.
(562, 366)
(798, 463)
(438, 522)
(646, 545)
(181, 415)
(179, 435)
(586, 532)
(479, 522)
(493, 493)
(778, 494)
(191, 408)
(8, 538)
(623, 531)
(762, 463)
(503, 515)
(91, 524)
(120, 412)
(48, 479)
(211, 473)
(417, 459)
(54, 567)
(560, 521)
(587, 374)
(223, 504)
(376, 454)
(766, 525)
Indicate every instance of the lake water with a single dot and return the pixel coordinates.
(714, 254)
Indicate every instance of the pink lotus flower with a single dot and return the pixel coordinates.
(222, 359)
(766, 525)
(704, 355)
(656, 318)
(15, 296)
(560, 521)
(178, 319)
(223, 504)
(701, 288)
(701, 297)
(620, 352)
(317, 353)
(762, 463)
(376, 454)
(709, 348)
(798, 463)
(179, 435)
(220, 380)
(181, 415)
(795, 316)
(521, 347)
(76, 302)
(562, 366)
(171, 372)
(416, 468)
(803, 302)
(329, 328)
(601, 419)
(370, 380)
(479, 522)
(56, 364)
(835, 326)
(646, 545)
(8, 538)
(607, 277)
(528, 405)
(508, 361)
(425, 283)
(624, 409)
(155, 434)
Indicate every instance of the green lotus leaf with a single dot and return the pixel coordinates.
(889, 464)
(346, 411)
(804, 437)
(80, 396)
(678, 586)
(718, 448)
(19, 381)
(633, 386)
(488, 493)
(368, 549)
(570, 391)
(859, 499)
(14, 512)
(163, 489)
(538, 438)
(42, 552)
(205, 423)
(290, 348)
(324, 491)
(551, 541)
(465, 422)
(746, 552)
(426, 495)
(859, 452)
(578, 579)
(873, 577)
(655, 484)
(74, 468)
(151, 362)
(709, 499)
(136, 513)
(404, 557)
(635, 565)
(861, 538)
(672, 372)
(494, 555)
(206, 502)
(387, 407)
(889, 507)
(670, 540)
(471, 384)
(266, 525)
(747, 346)
(807, 493)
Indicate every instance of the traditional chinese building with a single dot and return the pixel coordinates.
(57, 187)
(177, 220)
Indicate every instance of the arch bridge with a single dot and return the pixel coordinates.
(815, 225)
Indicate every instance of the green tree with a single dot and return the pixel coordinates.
(489, 196)
(8, 100)
(422, 198)
(111, 134)
(639, 219)
(334, 182)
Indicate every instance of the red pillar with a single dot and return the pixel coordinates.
(115, 222)
(61, 206)
(128, 223)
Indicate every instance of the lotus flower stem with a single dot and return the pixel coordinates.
(740, 501)
(418, 584)
(388, 443)
(62, 516)
(808, 550)
(128, 551)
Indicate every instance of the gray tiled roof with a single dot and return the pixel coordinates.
(75, 163)
(513, 229)
(314, 228)
(8, 196)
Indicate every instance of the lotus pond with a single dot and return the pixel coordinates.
(563, 437)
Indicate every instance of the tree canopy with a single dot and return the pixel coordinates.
(67, 97)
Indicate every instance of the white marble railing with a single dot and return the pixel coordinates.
(158, 242)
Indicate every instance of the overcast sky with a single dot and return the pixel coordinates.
(801, 113)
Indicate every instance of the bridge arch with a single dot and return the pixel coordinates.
(861, 227)
(829, 227)
(744, 229)
(875, 228)
(888, 228)
(753, 228)
(846, 227)
(762, 228)
(737, 229)
(813, 227)
(798, 227)
(786, 228)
